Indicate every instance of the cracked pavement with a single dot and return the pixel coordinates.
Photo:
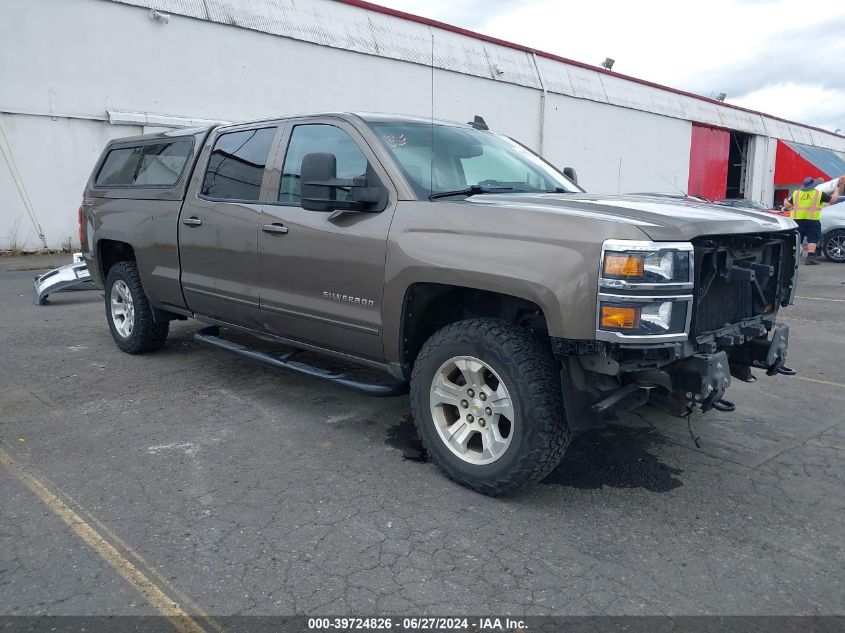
(256, 491)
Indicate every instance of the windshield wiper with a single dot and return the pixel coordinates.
(558, 190)
(472, 190)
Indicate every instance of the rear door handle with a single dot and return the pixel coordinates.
(278, 229)
(192, 221)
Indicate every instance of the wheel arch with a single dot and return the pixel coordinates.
(430, 306)
(109, 252)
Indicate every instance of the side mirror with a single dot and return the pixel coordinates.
(317, 168)
(570, 173)
(320, 186)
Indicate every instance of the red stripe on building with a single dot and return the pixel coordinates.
(791, 168)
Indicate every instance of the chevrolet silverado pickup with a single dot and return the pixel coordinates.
(515, 307)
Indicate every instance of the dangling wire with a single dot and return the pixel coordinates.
(6, 149)
(693, 436)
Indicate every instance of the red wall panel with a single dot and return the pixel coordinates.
(791, 168)
(708, 162)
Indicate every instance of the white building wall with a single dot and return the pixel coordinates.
(69, 67)
(119, 60)
(347, 27)
(615, 150)
(54, 159)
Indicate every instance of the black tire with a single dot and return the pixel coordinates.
(146, 335)
(832, 246)
(538, 434)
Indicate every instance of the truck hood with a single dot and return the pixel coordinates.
(661, 219)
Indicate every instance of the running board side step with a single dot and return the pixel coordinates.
(210, 336)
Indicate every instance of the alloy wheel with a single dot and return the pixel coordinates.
(472, 410)
(122, 309)
(834, 247)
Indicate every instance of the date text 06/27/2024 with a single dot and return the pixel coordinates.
(417, 624)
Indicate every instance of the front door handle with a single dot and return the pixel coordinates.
(277, 229)
(192, 221)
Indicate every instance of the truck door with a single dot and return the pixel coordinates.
(322, 273)
(218, 226)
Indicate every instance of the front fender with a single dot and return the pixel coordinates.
(561, 281)
(539, 255)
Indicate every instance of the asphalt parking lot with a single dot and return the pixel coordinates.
(237, 489)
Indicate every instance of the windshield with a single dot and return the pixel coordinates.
(444, 158)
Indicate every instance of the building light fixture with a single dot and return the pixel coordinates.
(158, 16)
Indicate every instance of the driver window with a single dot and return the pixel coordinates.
(307, 139)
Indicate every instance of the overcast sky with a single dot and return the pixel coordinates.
(783, 57)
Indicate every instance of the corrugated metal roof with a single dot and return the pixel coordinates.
(824, 159)
(362, 27)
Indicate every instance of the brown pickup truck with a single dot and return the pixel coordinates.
(517, 308)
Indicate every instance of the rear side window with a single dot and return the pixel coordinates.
(236, 165)
(148, 165)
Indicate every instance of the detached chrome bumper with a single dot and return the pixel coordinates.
(69, 277)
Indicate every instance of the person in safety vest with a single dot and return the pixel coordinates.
(805, 207)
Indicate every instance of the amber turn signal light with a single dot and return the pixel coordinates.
(620, 318)
(624, 265)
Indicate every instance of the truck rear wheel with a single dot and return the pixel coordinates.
(487, 402)
(129, 313)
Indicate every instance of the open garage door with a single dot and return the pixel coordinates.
(708, 162)
(718, 163)
(735, 186)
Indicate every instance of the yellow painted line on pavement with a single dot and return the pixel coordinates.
(178, 618)
(822, 299)
(151, 570)
(821, 382)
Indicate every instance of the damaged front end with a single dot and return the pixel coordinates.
(676, 321)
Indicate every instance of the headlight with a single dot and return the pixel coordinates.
(645, 291)
(630, 264)
(643, 316)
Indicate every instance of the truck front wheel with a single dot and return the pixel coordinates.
(129, 313)
(487, 402)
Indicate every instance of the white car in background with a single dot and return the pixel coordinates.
(833, 226)
(833, 232)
